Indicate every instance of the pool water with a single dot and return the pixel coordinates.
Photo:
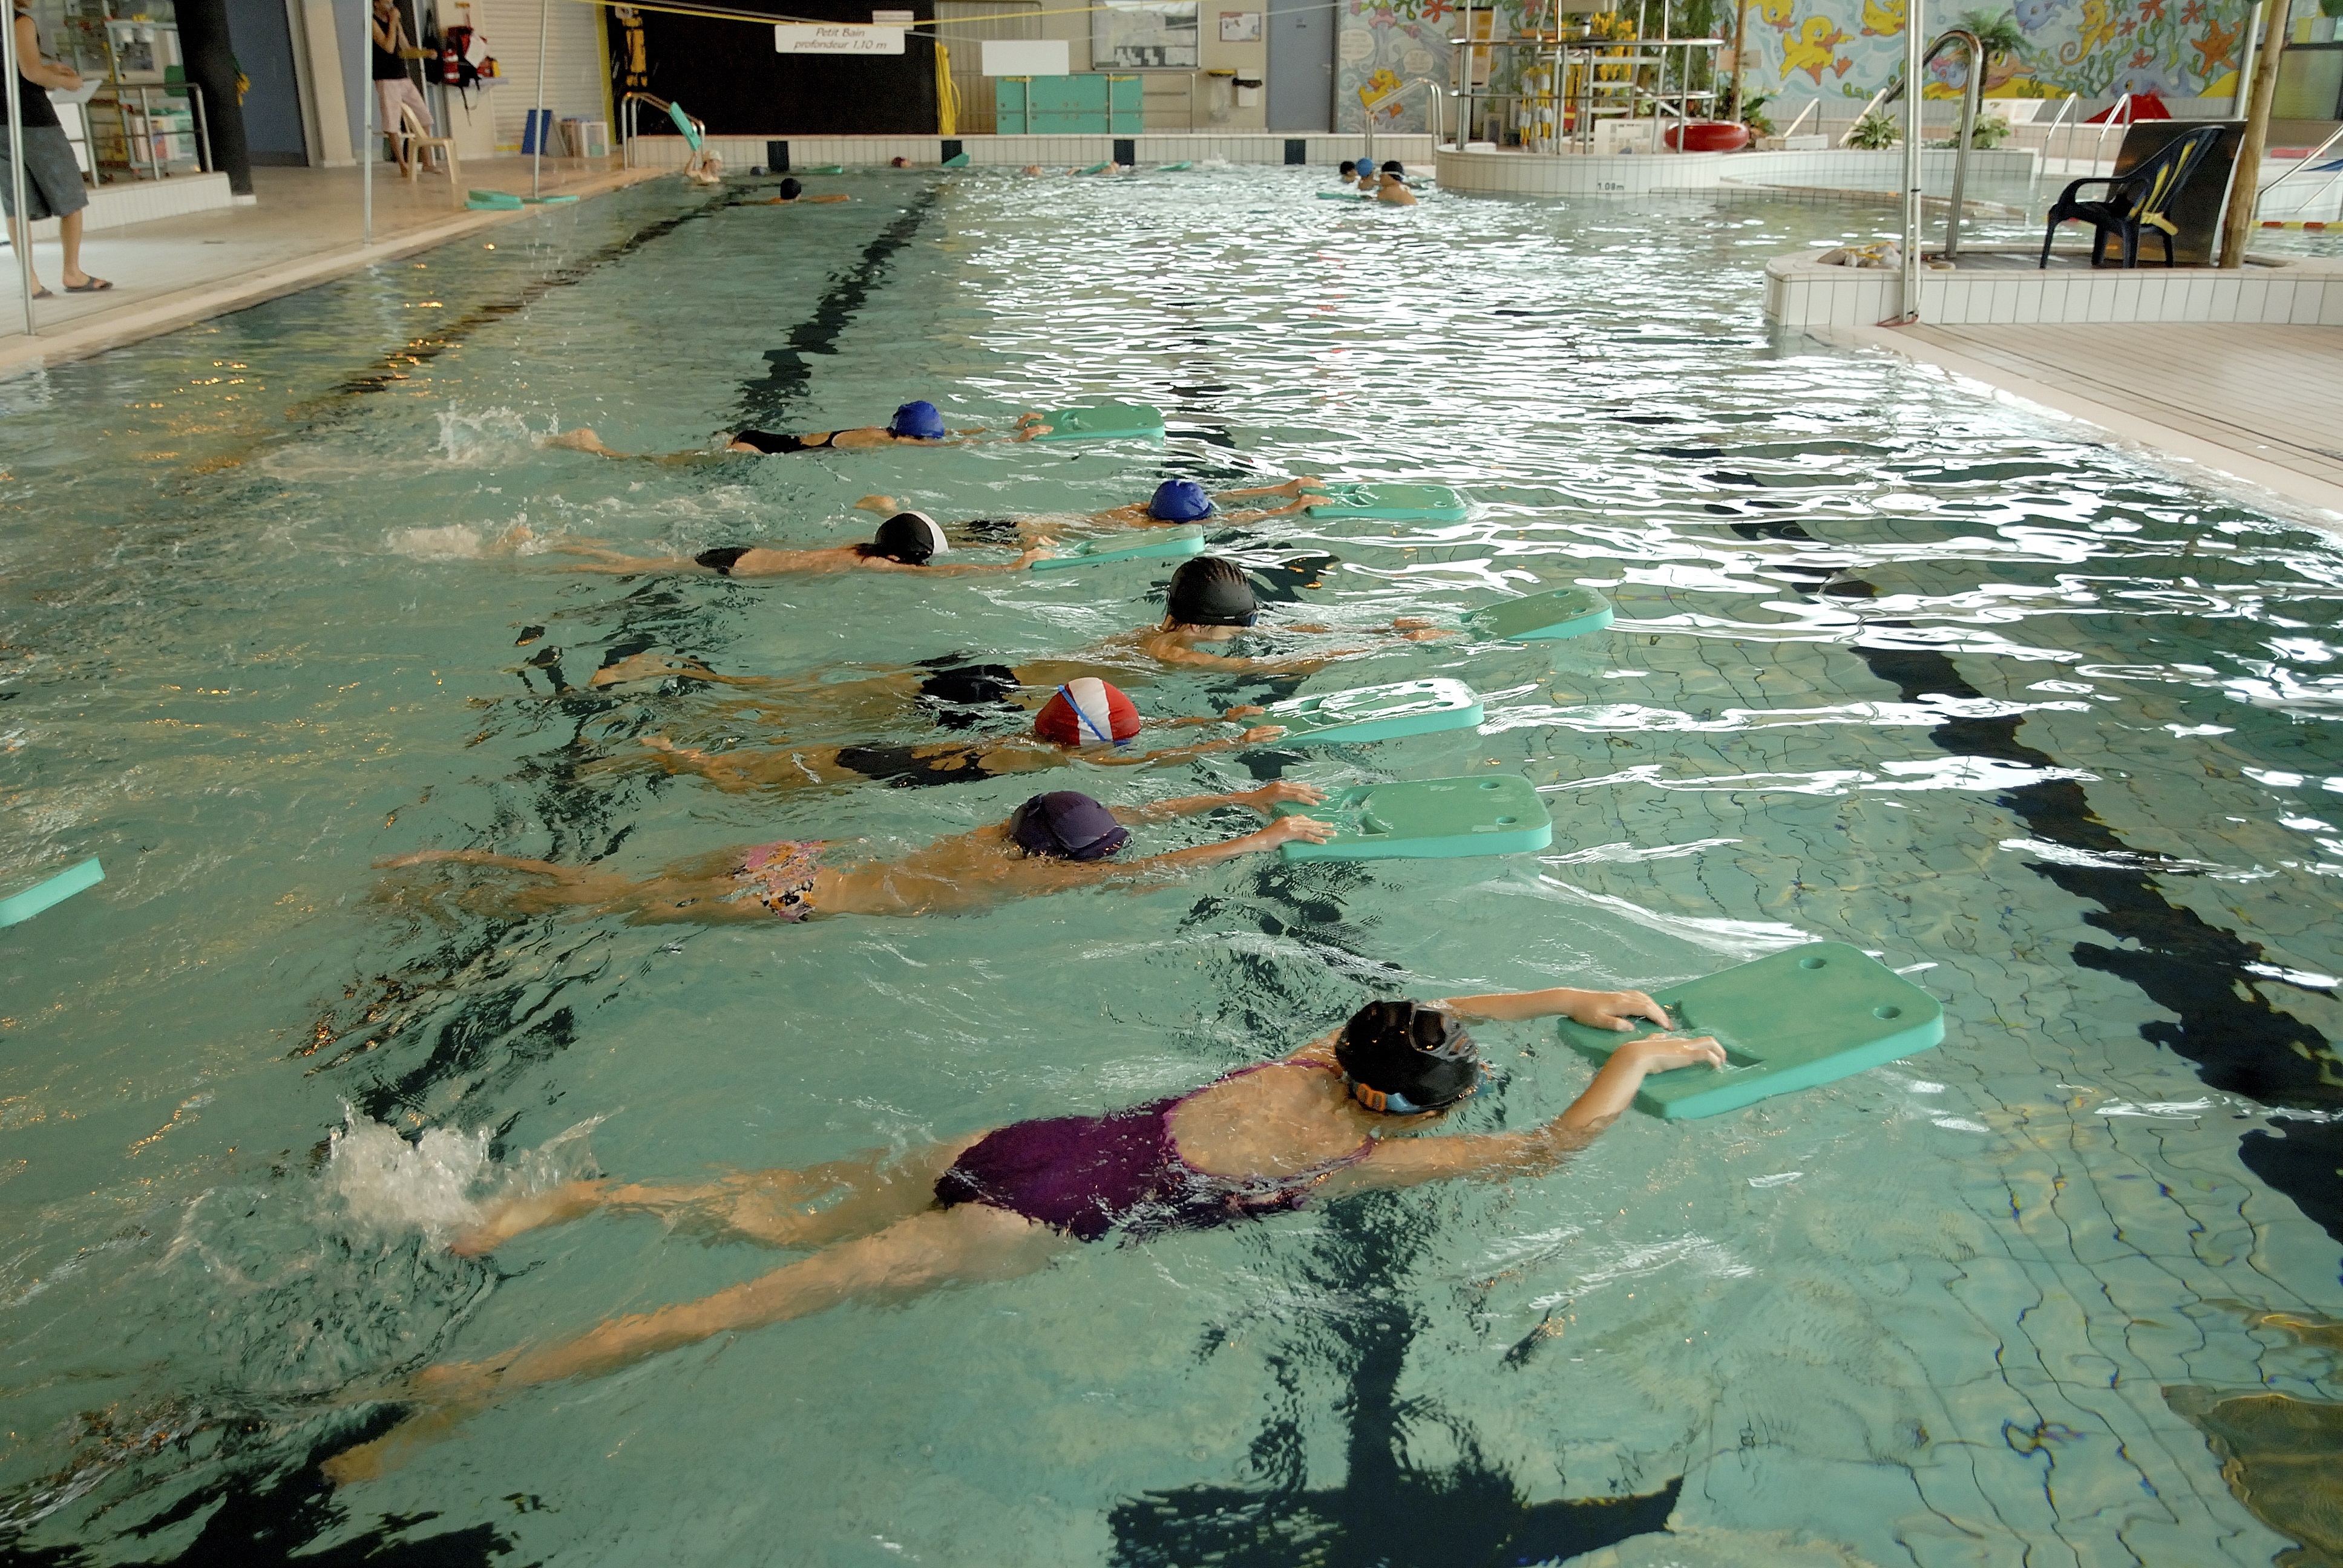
(2049, 730)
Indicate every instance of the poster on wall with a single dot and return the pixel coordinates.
(1239, 26)
(1146, 35)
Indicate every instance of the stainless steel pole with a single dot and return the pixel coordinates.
(536, 157)
(366, 126)
(24, 233)
(1908, 306)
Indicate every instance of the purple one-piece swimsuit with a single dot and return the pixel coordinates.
(1088, 1175)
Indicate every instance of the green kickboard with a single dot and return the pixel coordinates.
(1344, 195)
(493, 201)
(818, 169)
(1791, 1021)
(1428, 819)
(1173, 168)
(957, 161)
(1566, 612)
(1170, 545)
(55, 890)
(1107, 422)
(1093, 169)
(548, 201)
(1398, 503)
(1376, 713)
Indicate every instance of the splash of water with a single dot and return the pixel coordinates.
(443, 1183)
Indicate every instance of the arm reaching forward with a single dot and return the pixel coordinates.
(1411, 1161)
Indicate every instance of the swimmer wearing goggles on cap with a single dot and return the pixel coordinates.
(791, 191)
(1085, 720)
(1337, 1118)
(914, 425)
(908, 541)
(1053, 843)
(1175, 503)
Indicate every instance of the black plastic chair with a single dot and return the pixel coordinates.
(2135, 201)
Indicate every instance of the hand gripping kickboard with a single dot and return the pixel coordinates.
(1376, 713)
(1790, 1020)
(1428, 819)
(1107, 422)
(1169, 544)
(1566, 612)
(57, 890)
(1399, 503)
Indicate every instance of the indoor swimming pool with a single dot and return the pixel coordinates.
(1896, 664)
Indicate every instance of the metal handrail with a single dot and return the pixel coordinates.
(1439, 112)
(2312, 158)
(1970, 95)
(2121, 106)
(1869, 105)
(1814, 107)
(630, 129)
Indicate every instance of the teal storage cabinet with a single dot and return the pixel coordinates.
(1089, 104)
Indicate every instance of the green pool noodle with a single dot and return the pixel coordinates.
(493, 201)
(1791, 1021)
(1107, 422)
(1396, 503)
(57, 890)
(1171, 544)
(1174, 168)
(819, 169)
(957, 161)
(1428, 819)
(1376, 713)
(1564, 612)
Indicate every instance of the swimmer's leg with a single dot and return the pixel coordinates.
(616, 564)
(572, 885)
(969, 1244)
(781, 1208)
(581, 439)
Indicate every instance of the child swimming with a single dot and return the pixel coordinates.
(1052, 843)
(1336, 1118)
(915, 424)
(908, 541)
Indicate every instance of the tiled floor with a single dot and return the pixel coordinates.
(306, 225)
(2256, 401)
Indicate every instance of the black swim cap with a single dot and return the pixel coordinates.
(1391, 167)
(906, 538)
(1210, 591)
(1066, 825)
(1418, 1057)
(791, 190)
(1349, 167)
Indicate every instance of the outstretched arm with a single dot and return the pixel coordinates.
(1598, 1009)
(1041, 549)
(1259, 734)
(1411, 1161)
(1260, 800)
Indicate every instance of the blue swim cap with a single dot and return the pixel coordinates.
(1179, 501)
(918, 420)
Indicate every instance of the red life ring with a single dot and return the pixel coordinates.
(1709, 136)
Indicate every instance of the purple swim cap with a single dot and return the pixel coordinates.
(1066, 825)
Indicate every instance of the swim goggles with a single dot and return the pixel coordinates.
(1396, 1104)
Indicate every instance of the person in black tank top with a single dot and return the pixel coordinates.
(394, 89)
(52, 186)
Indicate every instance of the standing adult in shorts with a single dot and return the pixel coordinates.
(394, 89)
(52, 186)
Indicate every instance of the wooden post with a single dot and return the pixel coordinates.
(2245, 184)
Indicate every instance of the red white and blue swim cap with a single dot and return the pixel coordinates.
(1085, 712)
(918, 420)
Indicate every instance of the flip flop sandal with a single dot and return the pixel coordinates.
(95, 286)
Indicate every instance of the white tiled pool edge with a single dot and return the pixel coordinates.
(1802, 293)
(743, 153)
(2276, 486)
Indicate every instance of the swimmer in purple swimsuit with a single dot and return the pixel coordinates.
(1332, 1119)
